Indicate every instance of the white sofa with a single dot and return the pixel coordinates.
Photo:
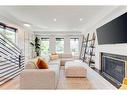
(32, 78)
(64, 57)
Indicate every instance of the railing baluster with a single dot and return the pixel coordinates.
(11, 59)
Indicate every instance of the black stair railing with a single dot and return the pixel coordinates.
(11, 59)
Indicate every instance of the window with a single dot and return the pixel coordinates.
(1, 29)
(44, 46)
(9, 32)
(59, 45)
(74, 46)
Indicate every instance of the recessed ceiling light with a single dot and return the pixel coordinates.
(81, 19)
(27, 25)
(54, 19)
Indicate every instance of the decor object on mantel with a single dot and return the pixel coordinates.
(36, 46)
(124, 84)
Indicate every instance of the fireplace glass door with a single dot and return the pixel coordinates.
(114, 68)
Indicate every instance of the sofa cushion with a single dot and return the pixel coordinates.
(67, 59)
(42, 64)
(54, 62)
(34, 60)
(30, 65)
(66, 55)
(56, 69)
(46, 57)
(63, 60)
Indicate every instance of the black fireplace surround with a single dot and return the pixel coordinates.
(113, 67)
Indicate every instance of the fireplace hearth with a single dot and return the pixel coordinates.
(113, 67)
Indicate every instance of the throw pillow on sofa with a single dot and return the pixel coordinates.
(42, 64)
(53, 53)
(54, 57)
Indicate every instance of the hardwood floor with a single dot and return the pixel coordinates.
(93, 81)
(12, 84)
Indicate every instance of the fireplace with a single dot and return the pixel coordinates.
(113, 67)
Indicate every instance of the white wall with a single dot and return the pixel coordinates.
(114, 48)
(29, 36)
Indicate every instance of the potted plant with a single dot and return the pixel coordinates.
(36, 46)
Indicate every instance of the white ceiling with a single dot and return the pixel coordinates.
(67, 17)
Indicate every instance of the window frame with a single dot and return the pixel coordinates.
(78, 45)
(5, 27)
(46, 40)
(63, 45)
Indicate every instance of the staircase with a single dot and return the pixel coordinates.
(11, 60)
